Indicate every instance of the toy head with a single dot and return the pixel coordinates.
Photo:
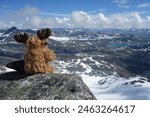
(35, 41)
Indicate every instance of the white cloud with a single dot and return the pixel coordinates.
(121, 3)
(5, 25)
(143, 5)
(33, 22)
(20, 15)
(28, 10)
(124, 6)
(96, 11)
(54, 14)
(100, 20)
(128, 20)
(77, 19)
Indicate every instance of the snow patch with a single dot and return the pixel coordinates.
(114, 88)
(6, 70)
(7, 35)
(1, 34)
(61, 39)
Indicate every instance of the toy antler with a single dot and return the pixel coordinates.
(22, 38)
(44, 33)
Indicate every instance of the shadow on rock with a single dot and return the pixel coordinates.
(17, 65)
(15, 75)
(12, 76)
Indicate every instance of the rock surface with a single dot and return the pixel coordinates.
(17, 86)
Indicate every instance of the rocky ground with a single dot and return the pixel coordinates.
(16, 86)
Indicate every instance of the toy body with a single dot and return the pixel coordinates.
(37, 55)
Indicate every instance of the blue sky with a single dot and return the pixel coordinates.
(72, 13)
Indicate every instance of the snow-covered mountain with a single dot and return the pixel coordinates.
(113, 63)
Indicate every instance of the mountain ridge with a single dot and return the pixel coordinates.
(101, 62)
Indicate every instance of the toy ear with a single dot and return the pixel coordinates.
(44, 33)
(22, 38)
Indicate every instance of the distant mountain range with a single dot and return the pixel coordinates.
(102, 57)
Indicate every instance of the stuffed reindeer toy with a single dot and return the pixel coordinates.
(37, 55)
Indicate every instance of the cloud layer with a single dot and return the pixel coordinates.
(31, 17)
(122, 3)
(143, 5)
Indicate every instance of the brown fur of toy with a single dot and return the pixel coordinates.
(37, 55)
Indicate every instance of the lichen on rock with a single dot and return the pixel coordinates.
(18, 86)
